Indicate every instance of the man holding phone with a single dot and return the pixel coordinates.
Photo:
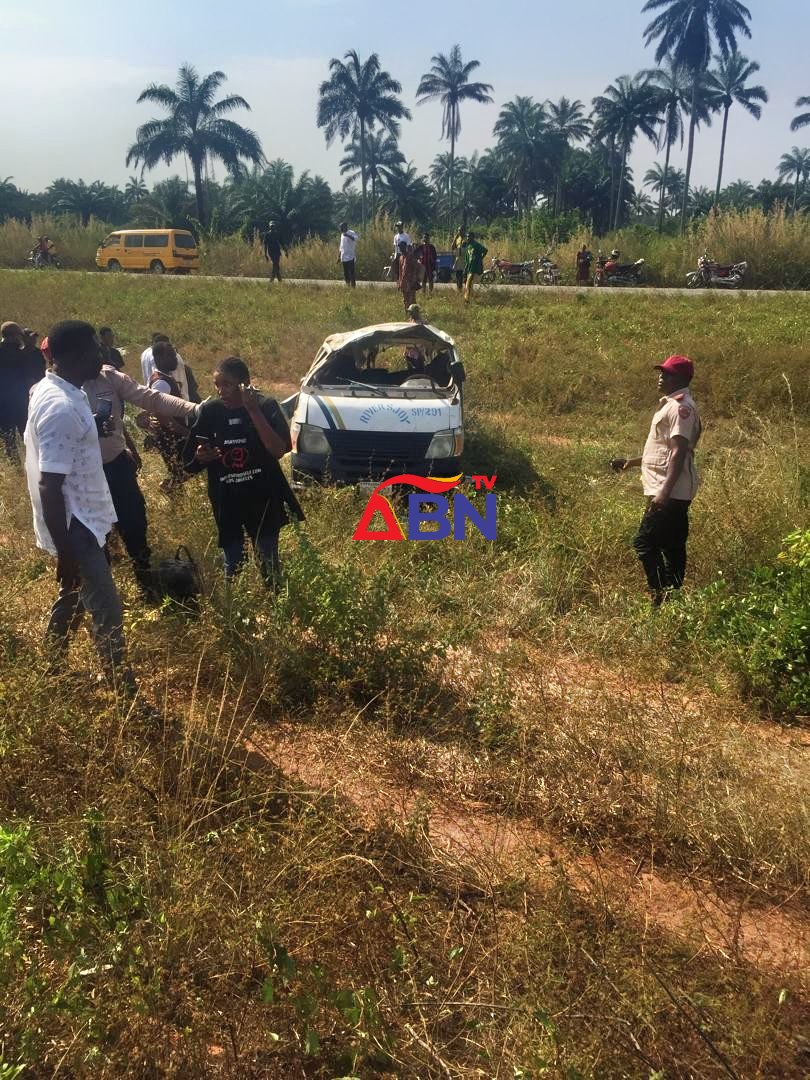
(238, 438)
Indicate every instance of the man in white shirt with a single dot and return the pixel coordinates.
(669, 479)
(184, 375)
(401, 237)
(73, 510)
(121, 460)
(347, 254)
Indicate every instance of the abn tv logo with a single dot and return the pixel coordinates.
(433, 510)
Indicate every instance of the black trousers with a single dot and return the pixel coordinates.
(130, 508)
(459, 279)
(348, 273)
(660, 544)
(275, 268)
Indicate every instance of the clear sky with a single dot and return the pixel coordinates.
(71, 73)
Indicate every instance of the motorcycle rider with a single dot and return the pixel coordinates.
(44, 250)
(612, 265)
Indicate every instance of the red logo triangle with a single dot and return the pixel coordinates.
(378, 504)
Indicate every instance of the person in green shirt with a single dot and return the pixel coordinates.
(474, 259)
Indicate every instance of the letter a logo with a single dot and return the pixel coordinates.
(378, 504)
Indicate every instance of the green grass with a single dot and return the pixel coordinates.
(167, 909)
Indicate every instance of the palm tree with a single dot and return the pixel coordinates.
(353, 100)
(448, 81)
(627, 107)
(441, 168)
(407, 195)
(685, 29)
(803, 119)
(382, 153)
(796, 163)
(671, 85)
(641, 205)
(299, 208)
(728, 83)
(195, 128)
(521, 129)
(566, 120)
(701, 201)
(739, 195)
(85, 200)
(135, 189)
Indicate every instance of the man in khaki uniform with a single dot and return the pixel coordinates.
(669, 479)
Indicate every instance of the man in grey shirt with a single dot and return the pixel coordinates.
(107, 394)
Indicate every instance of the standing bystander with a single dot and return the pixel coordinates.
(474, 265)
(73, 510)
(347, 254)
(272, 250)
(669, 479)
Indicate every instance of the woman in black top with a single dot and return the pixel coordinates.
(240, 436)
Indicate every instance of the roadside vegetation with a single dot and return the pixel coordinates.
(776, 245)
(438, 809)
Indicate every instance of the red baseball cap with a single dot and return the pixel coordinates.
(677, 365)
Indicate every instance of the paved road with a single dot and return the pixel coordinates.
(333, 283)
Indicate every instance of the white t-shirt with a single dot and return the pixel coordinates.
(61, 437)
(148, 366)
(348, 245)
(401, 238)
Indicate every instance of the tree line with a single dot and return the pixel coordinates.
(561, 159)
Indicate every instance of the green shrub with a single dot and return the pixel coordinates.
(764, 629)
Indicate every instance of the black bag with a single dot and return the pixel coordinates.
(178, 578)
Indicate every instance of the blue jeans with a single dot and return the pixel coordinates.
(265, 546)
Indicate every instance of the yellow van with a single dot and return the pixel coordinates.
(159, 251)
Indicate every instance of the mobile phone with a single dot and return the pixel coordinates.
(103, 410)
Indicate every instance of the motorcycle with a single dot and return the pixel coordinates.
(508, 273)
(711, 275)
(619, 275)
(40, 261)
(548, 273)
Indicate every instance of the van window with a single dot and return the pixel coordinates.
(184, 240)
(112, 240)
(133, 242)
(162, 240)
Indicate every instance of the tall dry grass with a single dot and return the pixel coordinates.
(776, 246)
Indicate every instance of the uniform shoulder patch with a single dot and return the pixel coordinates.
(684, 411)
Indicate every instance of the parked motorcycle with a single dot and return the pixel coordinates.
(548, 273)
(614, 275)
(711, 275)
(502, 272)
(40, 261)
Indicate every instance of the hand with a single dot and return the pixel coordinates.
(618, 464)
(659, 502)
(67, 571)
(206, 454)
(250, 397)
(135, 458)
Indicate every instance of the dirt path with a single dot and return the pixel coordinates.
(775, 940)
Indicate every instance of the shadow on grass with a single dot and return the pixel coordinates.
(491, 452)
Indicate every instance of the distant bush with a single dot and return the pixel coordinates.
(763, 628)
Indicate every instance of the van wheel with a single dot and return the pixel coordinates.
(157, 267)
(113, 266)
